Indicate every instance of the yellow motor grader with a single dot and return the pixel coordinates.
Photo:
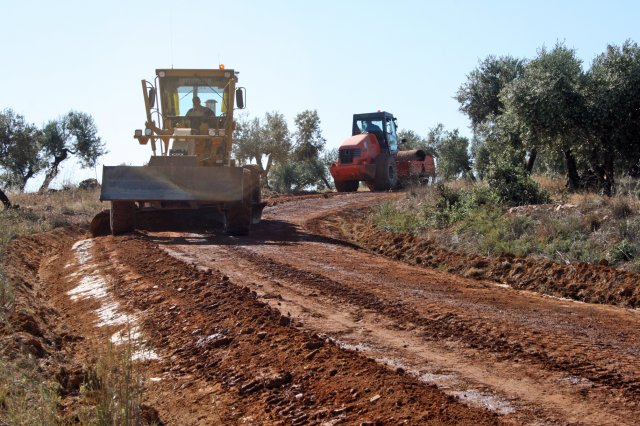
(189, 126)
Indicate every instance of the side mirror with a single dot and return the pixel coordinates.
(152, 97)
(240, 95)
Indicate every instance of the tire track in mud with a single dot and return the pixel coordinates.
(219, 343)
(441, 325)
(580, 366)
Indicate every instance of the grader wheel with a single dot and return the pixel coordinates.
(238, 216)
(122, 217)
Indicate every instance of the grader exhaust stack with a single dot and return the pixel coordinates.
(190, 133)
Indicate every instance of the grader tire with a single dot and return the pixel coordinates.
(238, 218)
(239, 214)
(122, 217)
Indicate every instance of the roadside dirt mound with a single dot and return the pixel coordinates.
(579, 281)
(34, 330)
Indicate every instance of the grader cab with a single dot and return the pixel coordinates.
(189, 127)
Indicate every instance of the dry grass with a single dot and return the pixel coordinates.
(25, 398)
(576, 227)
(113, 388)
(41, 212)
(112, 393)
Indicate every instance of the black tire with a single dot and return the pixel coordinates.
(238, 215)
(256, 193)
(255, 182)
(386, 173)
(347, 185)
(122, 217)
(238, 218)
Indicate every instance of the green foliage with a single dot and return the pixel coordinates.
(256, 140)
(392, 219)
(415, 141)
(613, 98)
(551, 111)
(481, 154)
(625, 251)
(314, 170)
(453, 156)
(479, 97)
(26, 150)
(308, 135)
(75, 134)
(286, 177)
(513, 186)
(20, 150)
(548, 99)
(295, 177)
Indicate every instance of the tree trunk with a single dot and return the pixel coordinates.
(25, 178)
(326, 182)
(51, 175)
(532, 159)
(609, 185)
(573, 180)
(53, 170)
(5, 199)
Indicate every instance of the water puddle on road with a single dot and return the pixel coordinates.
(93, 286)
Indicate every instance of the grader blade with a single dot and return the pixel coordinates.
(171, 183)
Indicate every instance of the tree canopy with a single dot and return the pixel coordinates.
(73, 134)
(26, 150)
(550, 105)
(20, 150)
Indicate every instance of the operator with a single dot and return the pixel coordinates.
(198, 110)
(371, 128)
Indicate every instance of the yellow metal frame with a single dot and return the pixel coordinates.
(206, 145)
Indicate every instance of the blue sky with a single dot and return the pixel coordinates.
(338, 57)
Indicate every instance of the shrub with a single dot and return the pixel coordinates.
(393, 219)
(624, 251)
(514, 187)
(621, 209)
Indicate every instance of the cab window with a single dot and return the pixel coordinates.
(392, 135)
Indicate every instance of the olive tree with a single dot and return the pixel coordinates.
(613, 99)
(20, 151)
(479, 97)
(74, 134)
(262, 140)
(548, 105)
(309, 144)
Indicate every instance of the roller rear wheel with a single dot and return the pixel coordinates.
(347, 185)
(386, 173)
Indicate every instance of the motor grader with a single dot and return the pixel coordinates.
(191, 166)
(371, 155)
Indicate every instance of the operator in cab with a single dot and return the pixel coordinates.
(198, 110)
(371, 127)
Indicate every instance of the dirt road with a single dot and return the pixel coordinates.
(284, 326)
